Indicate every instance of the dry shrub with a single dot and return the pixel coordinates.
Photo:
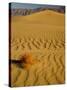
(28, 60)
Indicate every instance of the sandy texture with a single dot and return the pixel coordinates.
(42, 35)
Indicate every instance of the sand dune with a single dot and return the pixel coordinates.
(42, 35)
(45, 17)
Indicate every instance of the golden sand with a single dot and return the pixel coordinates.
(39, 38)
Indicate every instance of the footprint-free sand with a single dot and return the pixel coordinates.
(42, 35)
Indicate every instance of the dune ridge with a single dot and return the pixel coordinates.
(24, 12)
(43, 17)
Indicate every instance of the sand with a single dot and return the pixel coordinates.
(41, 35)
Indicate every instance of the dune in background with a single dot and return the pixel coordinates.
(42, 35)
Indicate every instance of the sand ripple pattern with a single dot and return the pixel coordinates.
(33, 45)
(49, 70)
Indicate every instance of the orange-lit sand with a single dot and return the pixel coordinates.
(42, 35)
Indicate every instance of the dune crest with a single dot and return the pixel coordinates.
(44, 17)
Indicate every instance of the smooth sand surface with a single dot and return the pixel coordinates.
(42, 36)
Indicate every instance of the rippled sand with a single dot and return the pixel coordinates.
(42, 36)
